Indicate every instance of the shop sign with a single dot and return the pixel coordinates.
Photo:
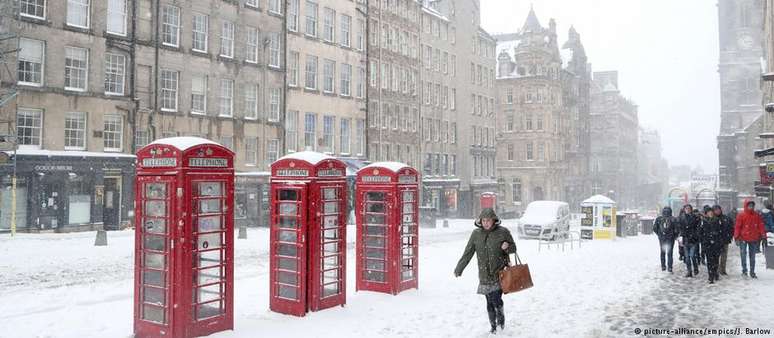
(53, 168)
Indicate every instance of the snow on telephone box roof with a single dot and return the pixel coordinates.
(184, 142)
(393, 166)
(312, 157)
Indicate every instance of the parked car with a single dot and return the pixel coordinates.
(544, 219)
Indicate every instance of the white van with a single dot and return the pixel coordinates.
(544, 219)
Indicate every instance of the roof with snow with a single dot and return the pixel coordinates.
(184, 142)
(312, 157)
(598, 199)
(394, 166)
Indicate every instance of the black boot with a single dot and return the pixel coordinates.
(689, 274)
(500, 317)
(492, 320)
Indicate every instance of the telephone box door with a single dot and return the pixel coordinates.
(329, 258)
(155, 242)
(374, 263)
(211, 246)
(288, 248)
(409, 238)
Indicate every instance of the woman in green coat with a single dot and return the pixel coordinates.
(491, 243)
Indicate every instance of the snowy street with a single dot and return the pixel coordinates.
(60, 285)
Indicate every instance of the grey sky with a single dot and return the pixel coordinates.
(666, 52)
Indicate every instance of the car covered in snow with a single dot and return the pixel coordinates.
(544, 219)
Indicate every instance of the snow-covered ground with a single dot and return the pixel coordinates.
(60, 285)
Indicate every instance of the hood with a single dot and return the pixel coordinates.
(477, 224)
(718, 209)
(487, 213)
(666, 212)
(747, 204)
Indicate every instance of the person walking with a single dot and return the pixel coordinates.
(767, 214)
(727, 225)
(689, 231)
(712, 239)
(665, 227)
(748, 232)
(491, 243)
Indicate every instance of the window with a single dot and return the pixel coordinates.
(310, 125)
(228, 142)
(251, 151)
(529, 121)
(329, 24)
(31, 58)
(78, 13)
(274, 104)
(226, 97)
(346, 79)
(311, 72)
(116, 17)
(75, 131)
(360, 35)
(112, 134)
(541, 151)
(274, 50)
(291, 130)
(344, 147)
(227, 39)
(373, 73)
(328, 125)
(509, 123)
(169, 85)
(272, 151)
(275, 7)
(292, 17)
(198, 94)
(311, 18)
(516, 190)
(453, 99)
(360, 86)
(115, 65)
(530, 155)
(251, 101)
(360, 137)
(540, 122)
(509, 95)
(251, 50)
(199, 29)
(76, 68)
(33, 8)
(346, 26)
(252, 3)
(141, 138)
(170, 26)
(292, 69)
(454, 65)
(329, 69)
(29, 125)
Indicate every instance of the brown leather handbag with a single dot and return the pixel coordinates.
(514, 278)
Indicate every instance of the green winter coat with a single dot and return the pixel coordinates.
(486, 244)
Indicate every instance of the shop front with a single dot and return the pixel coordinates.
(251, 199)
(442, 195)
(66, 191)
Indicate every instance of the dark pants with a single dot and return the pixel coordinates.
(746, 248)
(494, 307)
(691, 261)
(713, 260)
(667, 247)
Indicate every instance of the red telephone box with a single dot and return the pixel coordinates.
(308, 233)
(488, 200)
(184, 253)
(387, 212)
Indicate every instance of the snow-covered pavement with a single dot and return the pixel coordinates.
(60, 285)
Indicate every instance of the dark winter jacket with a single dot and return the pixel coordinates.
(666, 226)
(712, 233)
(728, 228)
(487, 245)
(768, 219)
(749, 226)
(689, 229)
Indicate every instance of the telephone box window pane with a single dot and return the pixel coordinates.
(209, 206)
(409, 218)
(331, 262)
(156, 208)
(408, 208)
(374, 276)
(156, 190)
(155, 261)
(154, 296)
(331, 247)
(153, 314)
(407, 275)
(288, 195)
(376, 230)
(209, 258)
(330, 290)
(407, 229)
(375, 207)
(156, 243)
(331, 221)
(376, 242)
(288, 264)
(155, 225)
(374, 196)
(209, 223)
(209, 241)
(374, 253)
(288, 222)
(210, 189)
(408, 196)
(288, 209)
(288, 250)
(372, 264)
(408, 252)
(208, 293)
(331, 275)
(288, 236)
(207, 276)
(288, 278)
(331, 234)
(329, 194)
(208, 310)
(154, 278)
(331, 207)
(288, 292)
(374, 219)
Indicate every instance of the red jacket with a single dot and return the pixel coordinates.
(749, 226)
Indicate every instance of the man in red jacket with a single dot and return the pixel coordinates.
(748, 232)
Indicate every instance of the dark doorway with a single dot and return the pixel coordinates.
(111, 212)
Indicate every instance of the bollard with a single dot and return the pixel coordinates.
(101, 239)
(446, 223)
(242, 232)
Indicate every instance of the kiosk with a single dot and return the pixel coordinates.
(183, 277)
(387, 209)
(308, 233)
(602, 223)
